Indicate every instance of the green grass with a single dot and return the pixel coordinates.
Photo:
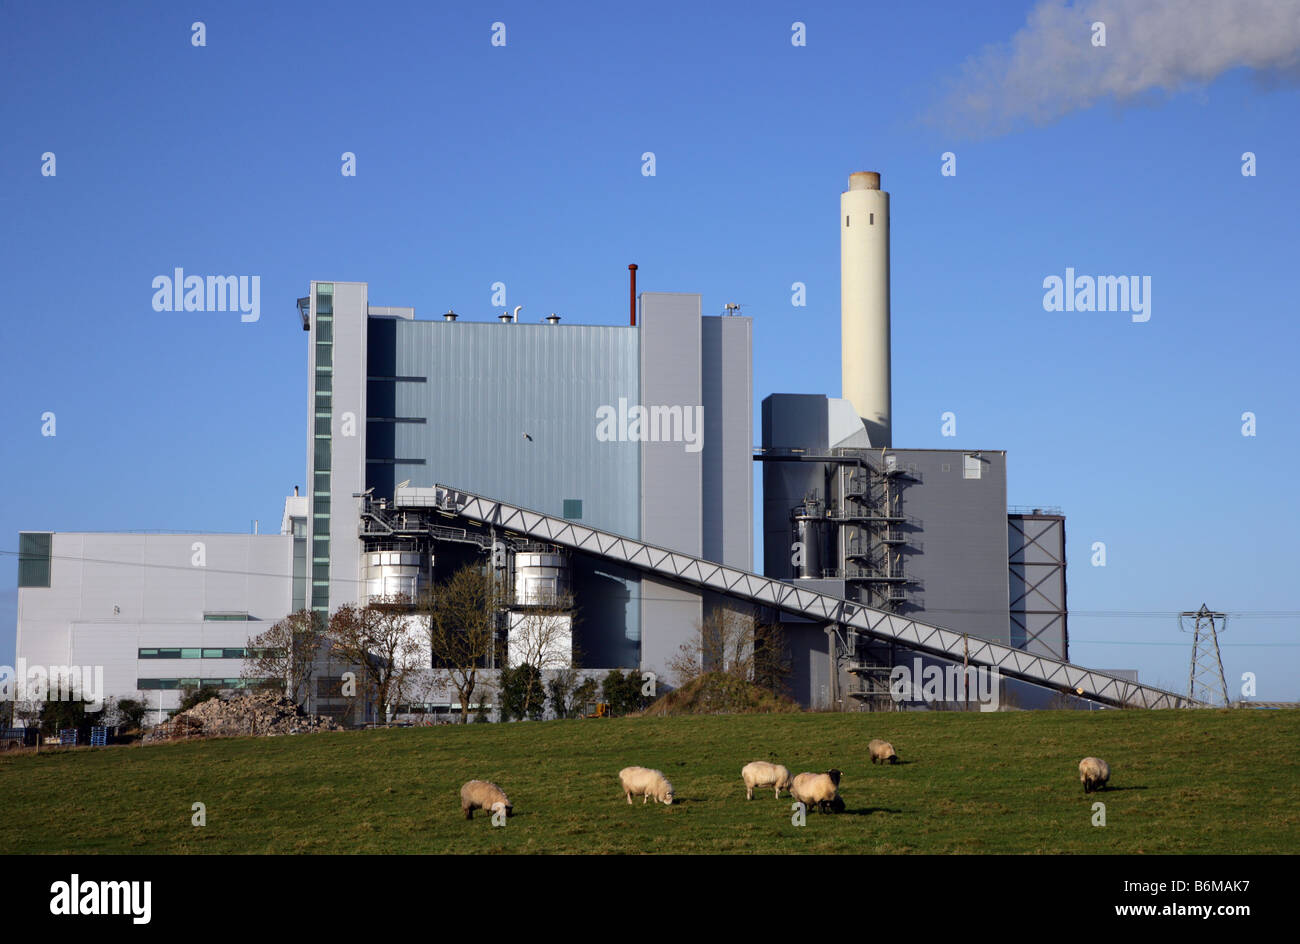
(1182, 782)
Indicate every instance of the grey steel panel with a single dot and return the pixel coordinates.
(671, 479)
(728, 476)
(490, 386)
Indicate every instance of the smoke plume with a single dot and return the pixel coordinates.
(1051, 66)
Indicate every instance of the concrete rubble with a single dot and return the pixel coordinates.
(264, 713)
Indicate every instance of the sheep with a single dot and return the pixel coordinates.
(1093, 772)
(762, 774)
(483, 795)
(646, 783)
(882, 751)
(821, 790)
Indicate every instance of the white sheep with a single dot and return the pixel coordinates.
(647, 784)
(820, 790)
(1093, 772)
(882, 751)
(483, 795)
(762, 774)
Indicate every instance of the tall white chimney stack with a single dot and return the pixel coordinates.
(864, 303)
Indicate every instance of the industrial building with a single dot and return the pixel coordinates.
(612, 462)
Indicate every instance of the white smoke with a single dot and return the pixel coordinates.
(1051, 67)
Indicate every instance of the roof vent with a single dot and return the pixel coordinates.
(449, 316)
(504, 317)
(552, 318)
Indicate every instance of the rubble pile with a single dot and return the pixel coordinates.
(264, 713)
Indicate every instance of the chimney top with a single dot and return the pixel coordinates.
(864, 180)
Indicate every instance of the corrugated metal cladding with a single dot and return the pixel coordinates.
(510, 411)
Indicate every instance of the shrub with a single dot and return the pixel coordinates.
(132, 712)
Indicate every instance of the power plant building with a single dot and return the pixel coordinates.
(610, 462)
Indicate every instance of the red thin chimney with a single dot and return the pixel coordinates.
(632, 269)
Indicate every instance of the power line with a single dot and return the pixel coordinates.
(1073, 614)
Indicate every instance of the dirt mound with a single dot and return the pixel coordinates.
(264, 713)
(716, 693)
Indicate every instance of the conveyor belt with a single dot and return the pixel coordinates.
(791, 598)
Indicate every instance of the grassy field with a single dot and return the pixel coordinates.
(1182, 782)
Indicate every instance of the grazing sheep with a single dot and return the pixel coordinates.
(762, 774)
(1094, 772)
(882, 751)
(647, 784)
(483, 795)
(821, 790)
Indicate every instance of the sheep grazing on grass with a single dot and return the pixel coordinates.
(647, 784)
(762, 774)
(1094, 772)
(882, 751)
(483, 795)
(820, 790)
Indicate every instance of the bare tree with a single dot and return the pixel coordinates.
(771, 659)
(735, 645)
(380, 639)
(287, 653)
(461, 616)
(724, 642)
(28, 711)
(541, 635)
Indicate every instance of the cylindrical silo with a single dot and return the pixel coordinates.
(864, 303)
(389, 573)
(541, 578)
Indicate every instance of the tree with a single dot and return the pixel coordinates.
(60, 714)
(28, 711)
(771, 658)
(623, 692)
(734, 647)
(583, 695)
(522, 694)
(461, 617)
(612, 690)
(130, 713)
(541, 635)
(380, 641)
(562, 688)
(287, 653)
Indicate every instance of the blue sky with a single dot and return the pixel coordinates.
(522, 164)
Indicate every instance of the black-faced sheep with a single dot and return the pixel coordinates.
(483, 795)
(1093, 772)
(647, 784)
(762, 774)
(882, 751)
(820, 790)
